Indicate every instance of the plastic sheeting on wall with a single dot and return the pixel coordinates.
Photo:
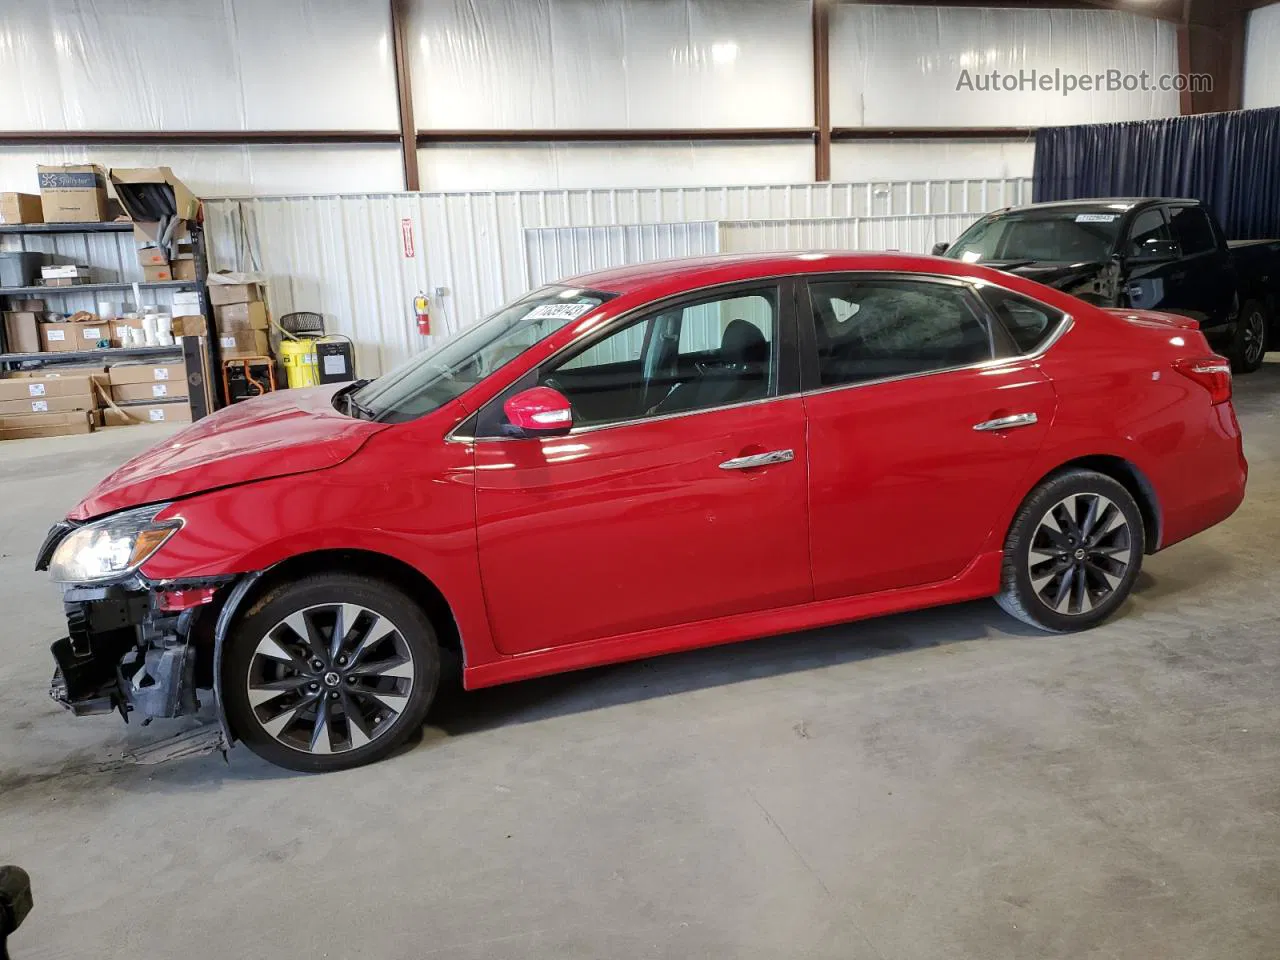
(345, 256)
(919, 159)
(197, 65)
(229, 171)
(552, 166)
(578, 64)
(900, 66)
(1261, 65)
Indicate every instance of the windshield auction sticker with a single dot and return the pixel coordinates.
(559, 311)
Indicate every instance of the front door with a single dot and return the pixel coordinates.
(917, 439)
(679, 496)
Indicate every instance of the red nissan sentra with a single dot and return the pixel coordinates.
(635, 462)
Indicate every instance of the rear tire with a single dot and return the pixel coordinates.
(1249, 344)
(1073, 553)
(301, 699)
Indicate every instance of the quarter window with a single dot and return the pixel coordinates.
(697, 355)
(872, 329)
(1029, 323)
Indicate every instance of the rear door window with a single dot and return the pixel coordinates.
(1192, 230)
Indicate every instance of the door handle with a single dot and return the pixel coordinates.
(759, 460)
(1008, 423)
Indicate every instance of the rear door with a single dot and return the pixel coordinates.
(923, 419)
(679, 495)
(1204, 281)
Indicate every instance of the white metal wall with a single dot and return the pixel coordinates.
(556, 252)
(344, 255)
(1261, 66)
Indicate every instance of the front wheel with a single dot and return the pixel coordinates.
(1073, 553)
(330, 672)
(1249, 345)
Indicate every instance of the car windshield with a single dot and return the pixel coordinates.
(432, 379)
(1065, 236)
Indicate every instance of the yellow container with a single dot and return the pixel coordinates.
(298, 357)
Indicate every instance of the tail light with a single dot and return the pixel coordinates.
(1212, 373)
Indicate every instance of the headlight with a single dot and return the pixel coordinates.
(112, 547)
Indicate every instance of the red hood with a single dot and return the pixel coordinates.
(292, 431)
(1150, 317)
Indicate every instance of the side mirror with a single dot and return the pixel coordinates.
(1156, 251)
(940, 248)
(15, 901)
(539, 412)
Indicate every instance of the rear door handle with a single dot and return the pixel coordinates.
(1008, 423)
(759, 460)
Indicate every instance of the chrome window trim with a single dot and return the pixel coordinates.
(975, 286)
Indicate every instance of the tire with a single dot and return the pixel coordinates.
(1028, 590)
(374, 689)
(1249, 343)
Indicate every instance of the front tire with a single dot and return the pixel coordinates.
(330, 672)
(1249, 345)
(1073, 553)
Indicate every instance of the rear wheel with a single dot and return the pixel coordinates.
(331, 672)
(1249, 345)
(1073, 553)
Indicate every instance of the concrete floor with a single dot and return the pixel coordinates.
(941, 784)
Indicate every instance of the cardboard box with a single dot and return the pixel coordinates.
(157, 273)
(241, 316)
(24, 426)
(20, 208)
(244, 343)
(22, 332)
(59, 337)
(85, 401)
(123, 374)
(194, 326)
(26, 306)
(120, 327)
(223, 293)
(176, 411)
(152, 257)
(91, 334)
(133, 392)
(183, 269)
(44, 387)
(64, 271)
(183, 250)
(76, 193)
(65, 282)
(186, 303)
(134, 184)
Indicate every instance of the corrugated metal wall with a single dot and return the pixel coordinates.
(360, 259)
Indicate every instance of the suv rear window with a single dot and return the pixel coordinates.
(1029, 323)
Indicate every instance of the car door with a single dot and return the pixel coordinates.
(678, 496)
(923, 417)
(1155, 273)
(1204, 284)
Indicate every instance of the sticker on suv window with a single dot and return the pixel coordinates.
(1097, 217)
(559, 311)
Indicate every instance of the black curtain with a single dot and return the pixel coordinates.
(1229, 161)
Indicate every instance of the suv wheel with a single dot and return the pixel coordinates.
(330, 672)
(1073, 553)
(1250, 343)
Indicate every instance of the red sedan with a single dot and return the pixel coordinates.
(639, 461)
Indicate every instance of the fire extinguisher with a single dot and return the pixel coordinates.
(423, 311)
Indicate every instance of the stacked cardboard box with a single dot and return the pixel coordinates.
(46, 406)
(70, 336)
(147, 393)
(241, 317)
(76, 193)
(22, 326)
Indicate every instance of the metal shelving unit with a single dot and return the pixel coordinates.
(189, 348)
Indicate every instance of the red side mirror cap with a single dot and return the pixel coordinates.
(540, 412)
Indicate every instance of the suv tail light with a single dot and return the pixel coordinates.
(1212, 373)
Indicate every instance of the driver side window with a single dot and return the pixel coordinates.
(707, 353)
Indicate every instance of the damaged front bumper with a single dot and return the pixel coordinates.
(136, 648)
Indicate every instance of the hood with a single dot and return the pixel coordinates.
(1066, 277)
(282, 433)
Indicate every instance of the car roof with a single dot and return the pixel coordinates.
(1124, 203)
(664, 277)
